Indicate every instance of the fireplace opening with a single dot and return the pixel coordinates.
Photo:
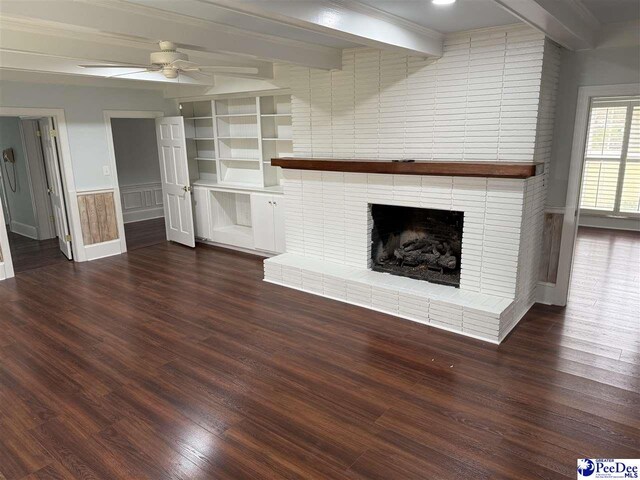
(420, 243)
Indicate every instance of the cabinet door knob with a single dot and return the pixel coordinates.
(275, 203)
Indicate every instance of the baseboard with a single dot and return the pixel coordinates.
(141, 215)
(104, 249)
(25, 230)
(257, 253)
(547, 294)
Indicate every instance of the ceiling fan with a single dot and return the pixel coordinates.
(172, 63)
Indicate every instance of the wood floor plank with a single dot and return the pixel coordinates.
(121, 369)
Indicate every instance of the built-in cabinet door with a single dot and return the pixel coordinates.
(201, 212)
(278, 224)
(262, 222)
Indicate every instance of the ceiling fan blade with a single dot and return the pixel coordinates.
(221, 69)
(131, 73)
(115, 66)
(183, 64)
(195, 74)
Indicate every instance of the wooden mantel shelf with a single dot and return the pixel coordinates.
(455, 169)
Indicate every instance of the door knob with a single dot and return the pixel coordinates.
(186, 188)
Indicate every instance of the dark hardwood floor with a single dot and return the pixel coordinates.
(28, 254)
(145, 233)
(172, 363)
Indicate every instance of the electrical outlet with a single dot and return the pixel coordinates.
(105, 170)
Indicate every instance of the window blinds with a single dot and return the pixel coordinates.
(611, 178)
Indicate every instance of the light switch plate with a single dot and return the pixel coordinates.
(105, 170)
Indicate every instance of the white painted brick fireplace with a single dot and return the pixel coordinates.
(328, 246)
(491, 98)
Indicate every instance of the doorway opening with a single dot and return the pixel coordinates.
(604, 174)
(138, 172)
(32, 193)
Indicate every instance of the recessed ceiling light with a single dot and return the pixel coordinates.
(443, 2)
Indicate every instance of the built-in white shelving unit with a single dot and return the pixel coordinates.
(275, 126)
(199, 131)
(230, 144)
(231, 141)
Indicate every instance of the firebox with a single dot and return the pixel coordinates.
(420, 243)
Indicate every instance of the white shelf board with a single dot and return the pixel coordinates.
(275, 115)
(239, 235)
(212, 183)
(204, 159)
(276, 139)
(198, 118)
(200, 138)
(251, 160)
(241, 138)
(226, 115)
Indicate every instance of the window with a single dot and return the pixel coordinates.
(611, 178)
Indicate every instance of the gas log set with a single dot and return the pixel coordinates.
(424, 244)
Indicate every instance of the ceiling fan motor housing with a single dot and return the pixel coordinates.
(165, 58)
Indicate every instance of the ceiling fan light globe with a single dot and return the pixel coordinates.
(169, 72)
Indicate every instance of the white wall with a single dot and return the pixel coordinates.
(136, 150)
(615, 61)
(84, 106)
(479, 102)
(20, 204)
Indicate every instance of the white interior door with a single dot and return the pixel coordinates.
(176, 188)
(54, 180)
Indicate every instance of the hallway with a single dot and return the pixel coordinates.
(28, 253)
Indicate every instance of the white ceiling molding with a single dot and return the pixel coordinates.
(567, 22)
(135, 21)
(352, 21)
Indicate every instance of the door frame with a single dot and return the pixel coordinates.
(108, 115)
(69, 187)
(574, 185)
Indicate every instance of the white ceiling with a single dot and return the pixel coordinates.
(226, 16)
(463, 15)
(54, 37)
(612, 11)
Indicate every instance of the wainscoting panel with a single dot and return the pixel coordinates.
(97, 217)
(141, 202)
(551, 246)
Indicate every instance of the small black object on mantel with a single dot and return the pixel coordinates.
(404, 160)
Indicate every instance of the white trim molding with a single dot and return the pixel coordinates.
(104, 249)
(6, 264)
(141, 202)
(25, 230)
